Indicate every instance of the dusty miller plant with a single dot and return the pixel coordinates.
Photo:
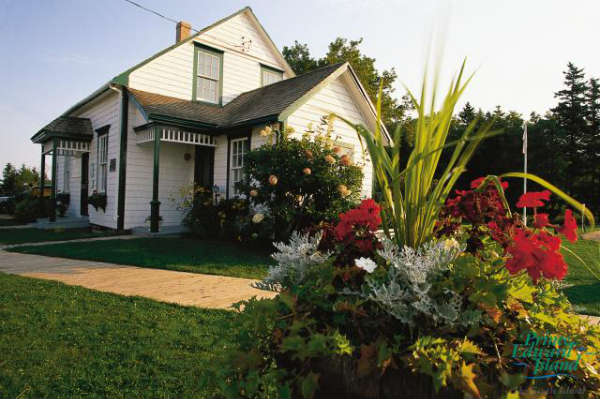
(406, 290)
(294, 260)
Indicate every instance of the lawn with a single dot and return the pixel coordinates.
(63, 341)
(182, 254)
(585, 290)
(20, 236)
(9, 222)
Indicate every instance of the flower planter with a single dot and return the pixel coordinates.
(339, 378)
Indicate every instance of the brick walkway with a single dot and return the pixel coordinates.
(193, 289)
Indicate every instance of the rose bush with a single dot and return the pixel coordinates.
(299, 182)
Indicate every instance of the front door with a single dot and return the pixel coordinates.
(204, 166)
(85, 159)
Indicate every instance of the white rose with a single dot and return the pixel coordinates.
(366, 264)
(257, 218)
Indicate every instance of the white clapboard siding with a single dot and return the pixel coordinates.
(174, 174)
(75, 182)
(220, 169)
(171, 74)
(103, 111)
(336, 97)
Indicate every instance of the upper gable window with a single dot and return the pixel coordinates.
(269, 75)
(208, 79)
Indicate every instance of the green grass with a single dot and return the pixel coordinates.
(10, 222)
(584, 291)
(61, 341)
(20, 236)
(182, 254)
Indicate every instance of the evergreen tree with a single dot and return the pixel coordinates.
(570, 114)
(592, 98)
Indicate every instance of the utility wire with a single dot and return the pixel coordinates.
(156, 13)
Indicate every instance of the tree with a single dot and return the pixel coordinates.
(344, 50)
(298, 56)
(9, 178)
(15, 181)
(592, 99)
(570, 114)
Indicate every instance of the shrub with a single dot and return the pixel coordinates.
(222, 220)
(28, 209)
(298, 183)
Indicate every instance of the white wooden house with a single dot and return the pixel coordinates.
(187, 115)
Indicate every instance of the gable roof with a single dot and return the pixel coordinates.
(123, 78)
(65, 127)
(267, 102)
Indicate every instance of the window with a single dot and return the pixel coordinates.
(239, 148)
(67, 175)
(102, 161)
(269, 75)
(208, 76)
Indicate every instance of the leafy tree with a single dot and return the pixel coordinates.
(298, 56)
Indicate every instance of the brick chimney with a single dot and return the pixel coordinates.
(183, 31)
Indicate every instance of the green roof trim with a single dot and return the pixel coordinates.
(65, 127)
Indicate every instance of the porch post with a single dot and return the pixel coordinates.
(42, 180)
(155, 203)
(52, 210)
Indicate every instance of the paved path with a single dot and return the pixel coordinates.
(594, 235)
(194, 289)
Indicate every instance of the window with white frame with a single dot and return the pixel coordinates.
(239, 148)
(67, 175)
(102, 162)
(269, 76)
(208, 69)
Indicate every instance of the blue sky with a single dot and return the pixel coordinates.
(55, 52)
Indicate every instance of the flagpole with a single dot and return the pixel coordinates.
(525, 168)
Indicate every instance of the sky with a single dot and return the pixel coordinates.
(56, 52)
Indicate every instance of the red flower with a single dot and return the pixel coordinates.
(541, 220)
(569, 227)
(538, 254)
(533, 199)
(357, 226)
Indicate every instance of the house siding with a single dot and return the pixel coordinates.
(171, 74)
(336, 97)
(174, 174)
(102, 111)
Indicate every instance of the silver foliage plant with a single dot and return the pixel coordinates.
(406, 291)
(294, 260)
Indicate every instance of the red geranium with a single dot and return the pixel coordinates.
(541, 220)
(538, 253)
(533, 199)
(358, 226)
(569, 227)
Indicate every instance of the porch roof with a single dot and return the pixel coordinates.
(65, 127)
(250, 107)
